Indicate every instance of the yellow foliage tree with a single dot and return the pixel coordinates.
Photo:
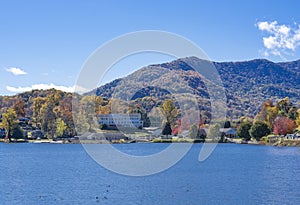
(267, 114)
(298, 119)
(9, 122)
(170, 112)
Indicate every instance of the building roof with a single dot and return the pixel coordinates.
(228, 131)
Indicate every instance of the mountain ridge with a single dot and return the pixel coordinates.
(247, 83)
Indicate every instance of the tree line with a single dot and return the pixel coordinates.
(51, 112)
(281, 118)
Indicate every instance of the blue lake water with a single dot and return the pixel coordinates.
(233, 174)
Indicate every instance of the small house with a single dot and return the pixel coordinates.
(229, 132)
(2, 133)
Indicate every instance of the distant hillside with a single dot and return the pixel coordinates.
(29, 97)
(247, 83)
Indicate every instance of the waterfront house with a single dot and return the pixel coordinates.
(121, 120)
(291, 136)
(35, 134)
(2, 133)
(229, 132)
(24, 120)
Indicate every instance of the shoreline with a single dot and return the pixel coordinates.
(279, 143)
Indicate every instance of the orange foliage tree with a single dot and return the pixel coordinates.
(283, 126)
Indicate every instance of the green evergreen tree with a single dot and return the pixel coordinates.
(17, 132)
(167, 130)
(243, 131)
(259, 130)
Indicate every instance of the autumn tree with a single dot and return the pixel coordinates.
(267, 114)
(48, 117)
(85, 116)
(194, 131)
(284, 105)
(246, 119)
(9, 122)
(37, 114)
(19, 107)
(60, 127)
(170, 112)
(102, 106)
(81, 122)
(65, 113)
(298, 118)
(88, 110)
(183, 124)
(214, 131)
(283, 126)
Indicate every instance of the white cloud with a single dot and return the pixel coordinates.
(266, 25)
(281, 39)
(19, 89)
(16, 71)
(285, 30)
(80, 89)
(270, 42)
(39, 87)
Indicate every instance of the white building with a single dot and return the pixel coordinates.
(122, 120)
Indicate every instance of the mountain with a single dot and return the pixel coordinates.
(247, 83)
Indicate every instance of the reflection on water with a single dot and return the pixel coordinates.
(281, 171)
(233, 174)
(285, 151)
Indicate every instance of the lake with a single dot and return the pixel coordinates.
(233, 174)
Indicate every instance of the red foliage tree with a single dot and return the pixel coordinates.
(283, 126)
(175, 131)
(182, 125)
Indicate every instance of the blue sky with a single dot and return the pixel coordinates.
(50, 40)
